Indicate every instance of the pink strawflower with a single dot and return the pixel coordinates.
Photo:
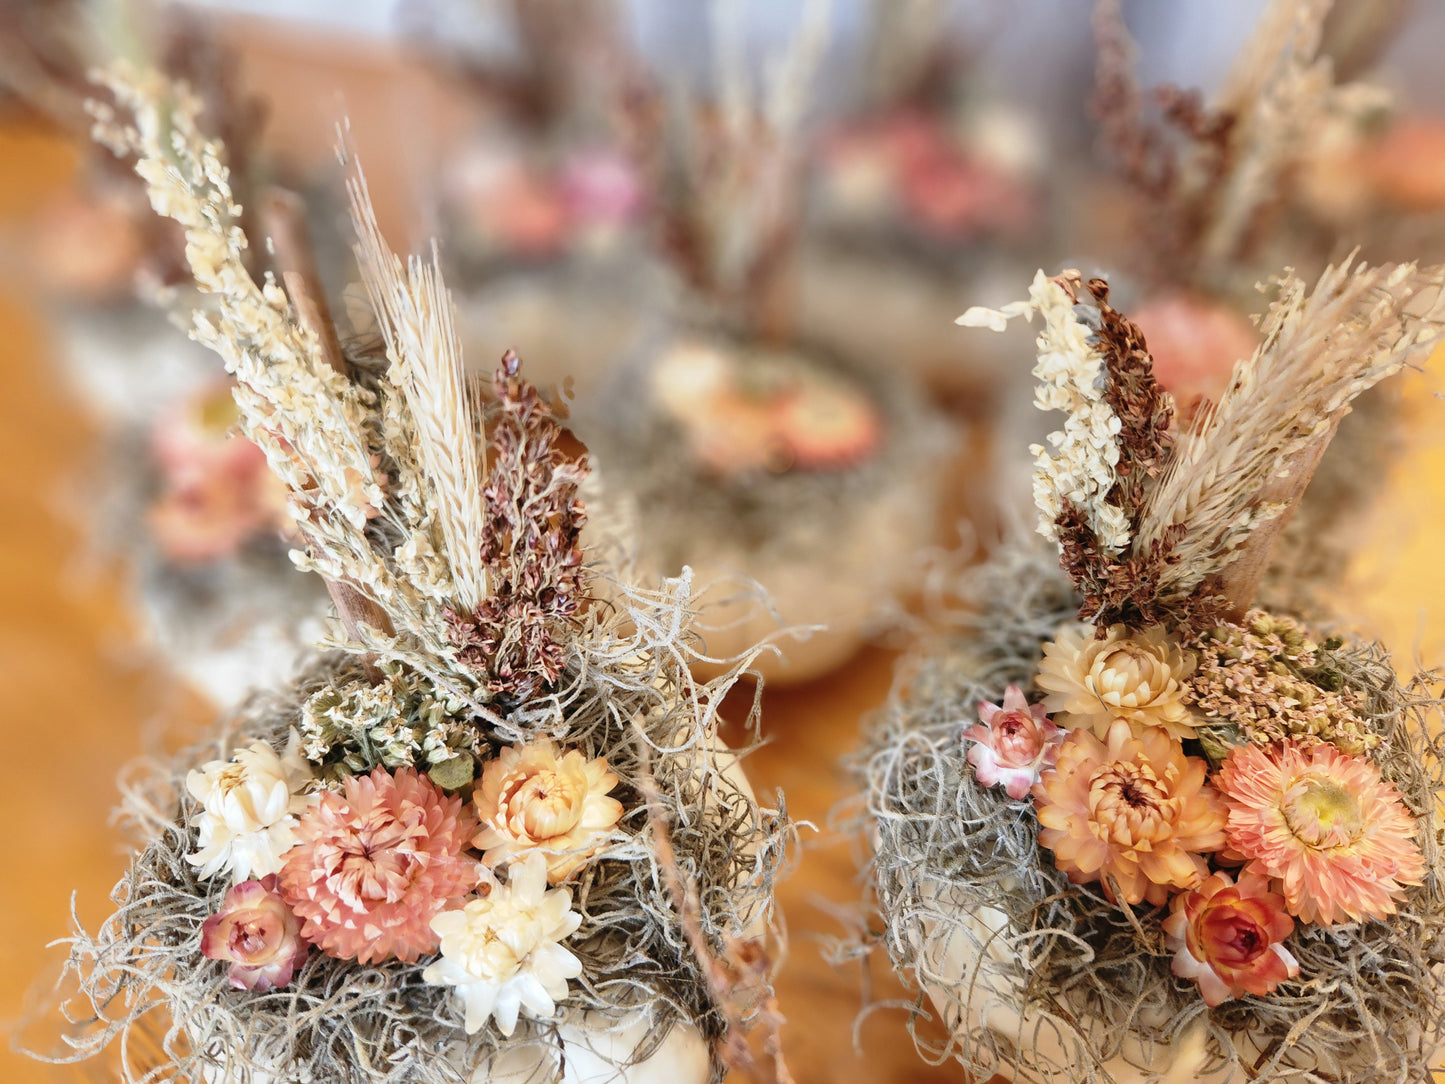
(602, 187)
(1014, 743)
(1195, 343)
(258, 934)
(217, 491)
(1325, 824)
(1226, 937)
(375, 864)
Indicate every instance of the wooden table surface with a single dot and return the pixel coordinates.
(77, 699)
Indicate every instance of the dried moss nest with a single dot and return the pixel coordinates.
(141, 978)
(1369, 1003)
(642, 454)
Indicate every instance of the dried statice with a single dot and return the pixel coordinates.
(530, 547)
(1266, 680)
(397, 721)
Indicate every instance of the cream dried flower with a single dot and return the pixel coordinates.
(531, 797)
(1078, 467)
(503, 953)
(1091, 681)
(249, 808)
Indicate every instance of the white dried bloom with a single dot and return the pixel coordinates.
(249, 807)
(1078, 463)
(503, 953)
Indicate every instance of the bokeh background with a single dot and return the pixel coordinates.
(81, 693)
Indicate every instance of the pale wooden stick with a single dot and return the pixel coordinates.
(285, 222)
(1241, 577)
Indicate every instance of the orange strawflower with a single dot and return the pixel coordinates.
(1227, 936)
(1132, 809)
(1325, 824)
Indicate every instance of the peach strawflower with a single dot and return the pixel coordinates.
(1091, 681)
(1325, 824)
(1195, 343)
(1132, 808)
(1226, 937)
(534, 797)
(755, 412)
(1014, 743)
(257, 934)
(376, 863)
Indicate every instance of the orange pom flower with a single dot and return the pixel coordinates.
(1325, 824)
(375, 864)
(1132, 808)
(1227, 936)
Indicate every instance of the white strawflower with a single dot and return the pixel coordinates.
(502, 953)
(249, 813)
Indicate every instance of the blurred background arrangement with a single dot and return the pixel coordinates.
(733, 237)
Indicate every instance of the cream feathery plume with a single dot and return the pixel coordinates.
(418, 322)
(1078, 465)
(1243, 462)
(309, 419)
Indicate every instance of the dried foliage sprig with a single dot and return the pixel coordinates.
(530, 547)
(418, 322)
(731, 172)
(1320, 349)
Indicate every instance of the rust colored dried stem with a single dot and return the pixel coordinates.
(285, 223)
(733, 979)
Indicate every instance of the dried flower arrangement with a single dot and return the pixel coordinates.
(1125, 825)
(544, 200)
(1219, 197)
(925, 187)
(738, 445)
(491, 834)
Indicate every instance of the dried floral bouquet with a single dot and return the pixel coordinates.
(739, 445)
(491, 834)
(1126, 826)
(1220, 192)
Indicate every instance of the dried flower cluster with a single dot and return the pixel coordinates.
(1269, 682)
(748, 412)
(215, 491)
(362, 830)
(1145, 527)
(398, 721)
(530, 548)
(1120, 802)
(1212, 178)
